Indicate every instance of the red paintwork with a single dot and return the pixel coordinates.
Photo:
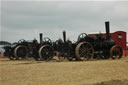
(119, 37)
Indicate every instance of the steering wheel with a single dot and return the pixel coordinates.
(46, 39)
(81, 36)
(21, 41)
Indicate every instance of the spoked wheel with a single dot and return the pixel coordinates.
(46, 52)
(84, 51)
(20, 52)
(82, 36)
(116, 52)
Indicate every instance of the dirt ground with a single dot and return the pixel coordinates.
(95, 72)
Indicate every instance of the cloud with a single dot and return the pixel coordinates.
(25, 19)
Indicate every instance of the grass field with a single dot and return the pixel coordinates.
(31, 72)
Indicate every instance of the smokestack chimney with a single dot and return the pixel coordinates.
(41, 37)
(107, 30)
(64, 36)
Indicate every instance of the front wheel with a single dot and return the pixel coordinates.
(116, 52)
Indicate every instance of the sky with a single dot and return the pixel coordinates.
(26, 19)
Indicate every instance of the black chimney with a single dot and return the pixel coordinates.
(107, 30)
(64, 36)
(41, 39)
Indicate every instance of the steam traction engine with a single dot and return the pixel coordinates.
(22, 49)
(97, 47)
(64, 48)
(87, 47)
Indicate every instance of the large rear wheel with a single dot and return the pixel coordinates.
(20, 52)
(46, 52)
(84, 51)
